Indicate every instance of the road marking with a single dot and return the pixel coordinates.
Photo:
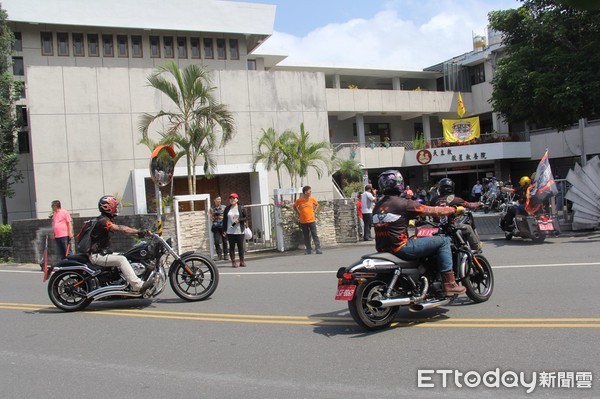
(567, 322)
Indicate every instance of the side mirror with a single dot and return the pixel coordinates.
(162, 165)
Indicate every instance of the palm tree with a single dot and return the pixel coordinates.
(348, 169)
(192, 127)
(303, 155)
(271, 150)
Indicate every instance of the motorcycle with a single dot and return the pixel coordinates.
(75, 282)
(492, 201)
(536, 227)
(379, 284)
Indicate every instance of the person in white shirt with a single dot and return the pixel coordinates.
(368, 202)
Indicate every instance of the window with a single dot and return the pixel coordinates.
(136, 47)
(23, 141)
(195, 47)
(93, 48)
(122, 46)
(477, 74)
(62, 38)
(78, 46)
(168, 43)
(107, 46)
(47, 44)
(181, 47)
(208, 48)
(221, 53)
(18, 44)
(251, 65)
(233, 49)
(18, 66)
(154, 47)
(21, 116)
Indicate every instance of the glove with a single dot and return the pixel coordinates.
(411, 223)
(459, 210)
(142, 233)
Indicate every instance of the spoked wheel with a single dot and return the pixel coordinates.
(196, 279)
(367, 316)
(480, 280)
(67, 291)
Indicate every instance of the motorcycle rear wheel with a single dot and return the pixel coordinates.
(480, 280)
(367, 316)
(67, 291)
(197, 286)
(539, 239)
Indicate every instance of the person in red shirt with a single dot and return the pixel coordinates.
(306, 207)
(359, 214)
(62, 224)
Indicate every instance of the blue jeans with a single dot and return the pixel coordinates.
(439, 246)
(62, 243)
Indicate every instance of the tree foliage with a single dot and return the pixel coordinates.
(549, 75)
(9, 93)
(193, 127)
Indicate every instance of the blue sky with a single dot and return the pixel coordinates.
(387, 34)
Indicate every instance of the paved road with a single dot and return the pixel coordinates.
(273, 330)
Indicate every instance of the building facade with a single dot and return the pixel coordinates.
(86, 65)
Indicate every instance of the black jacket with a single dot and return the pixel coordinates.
(242, 220)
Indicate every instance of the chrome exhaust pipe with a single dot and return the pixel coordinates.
(94, 294)
(120, 293)
(387, 303)
(418, 307)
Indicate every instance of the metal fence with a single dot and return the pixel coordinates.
(261, 219)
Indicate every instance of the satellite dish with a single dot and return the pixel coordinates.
(162, 165)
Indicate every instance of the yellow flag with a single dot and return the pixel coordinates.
(460, 106)
(461, 130)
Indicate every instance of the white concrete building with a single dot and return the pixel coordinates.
(85, 65)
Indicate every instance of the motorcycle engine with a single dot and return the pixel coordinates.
(138, 268)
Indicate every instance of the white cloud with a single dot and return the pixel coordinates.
(391, 39)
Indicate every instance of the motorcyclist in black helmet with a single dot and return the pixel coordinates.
(391, 216)
(447, 198)
(100, 252)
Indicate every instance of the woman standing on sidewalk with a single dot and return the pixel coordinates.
(234, 221)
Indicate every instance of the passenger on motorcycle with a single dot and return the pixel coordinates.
(390, 219)
(508, 222)
(100, 252)
(447, 198)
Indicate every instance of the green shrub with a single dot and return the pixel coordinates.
(6, 238)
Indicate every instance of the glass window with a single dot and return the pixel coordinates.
(221, 53)
(154, 47)
(195, 47)
(208, 48)
(62, 38)
(122, 46)
(107, 46)
(168, 43)
(477, 74)
(23, 140)
(22, 116)
(233, 49)
(93, 48)
(78, 46)
(18, 44)
(182, 47)
(252, 65)
(136, 47)
(47, 44)
(18, 66)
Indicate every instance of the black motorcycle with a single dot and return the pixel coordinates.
(75, 282)
(535, 227)
(379, 284)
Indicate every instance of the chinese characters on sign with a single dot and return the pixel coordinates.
(470, 156)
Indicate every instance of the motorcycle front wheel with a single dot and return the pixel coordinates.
(195, 279)
(67, 291)
(480, 280)
(367, 316)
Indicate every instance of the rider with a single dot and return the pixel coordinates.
(447, 198)
(100, 252)
(508, 221)
(390, 218)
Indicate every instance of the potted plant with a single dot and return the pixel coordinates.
(167, 203)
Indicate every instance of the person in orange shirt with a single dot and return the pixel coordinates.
(306, 206)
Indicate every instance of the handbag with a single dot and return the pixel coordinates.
(247, 233)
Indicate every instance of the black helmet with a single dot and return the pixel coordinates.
(391, 182)
(446, 186)
(109, 205)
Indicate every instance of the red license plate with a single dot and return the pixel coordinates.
(546, 226)
(345, 292)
